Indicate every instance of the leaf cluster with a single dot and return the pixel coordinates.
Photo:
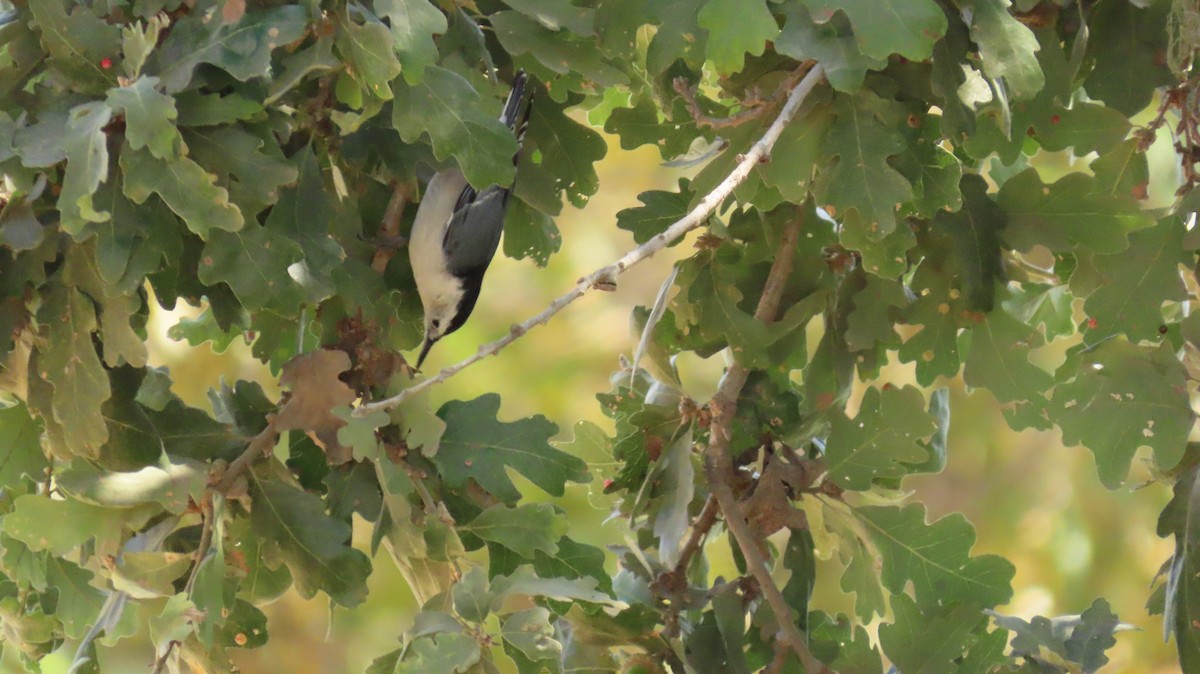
(258, 160)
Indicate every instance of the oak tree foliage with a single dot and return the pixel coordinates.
(254, 157)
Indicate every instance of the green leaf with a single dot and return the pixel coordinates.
(830, 43)
(1122, 171)
(1086, 127)
(413, 24)
(529, 233)
(1092, 636)
(557, 15)
(1007, 48)
(574, 561)
(1069, 212)
(315, 58)
(1135, 283)
(974, 232)
(999, 359)
(458, 123)
(579, 61)
(678, 35)
(242, 48)
(309, 214)
(800, 558)
(254, 262)
(149, 117)
(931, 642)
(478, 446)
(530, 632)
(935, 172)
(471, 595)
(568, 148)
(1181, 519)
(524, 529)
(861, 575)
(250, 168)
(872, 323)
(524, 582)
(880, 439)
(75, 523)
(800, 151)
(185, 186)
(736, 28)
(1118, 396)
(78, 602)
(986, 654)
(315, 547)
(862, 138)
(443, 653)
(369, 55)
(935, 558)
(675, 482)
(146, 575)
(1042, 304)
(1125, 44)
(77, 41)
(886, 255)
(172, 484)
(71, 365)
(122, 344)
(659, 210)
(245, 626)
(87, 166)
(641, 125)
(20, 447)
(909, 29)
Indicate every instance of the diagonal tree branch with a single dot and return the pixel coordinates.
(718, 464)
(607, 275)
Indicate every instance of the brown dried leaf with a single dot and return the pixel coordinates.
(315, 391)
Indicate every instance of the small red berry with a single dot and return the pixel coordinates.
(106, 63)
(1055, 119)
(1093, 323)
(608, 483)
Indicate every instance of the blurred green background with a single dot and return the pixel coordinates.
(1032, 500)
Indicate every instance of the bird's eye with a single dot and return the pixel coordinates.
(436, 323)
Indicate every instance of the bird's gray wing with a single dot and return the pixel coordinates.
(473, 232)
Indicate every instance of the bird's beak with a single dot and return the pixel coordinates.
(424, 351)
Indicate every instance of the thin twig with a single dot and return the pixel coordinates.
(718, 464)
(609, 273)
(754, 108)
(673, 585)
(206, 534)
(258, 447)
(389, 227)
(700, 528)
(160, 663)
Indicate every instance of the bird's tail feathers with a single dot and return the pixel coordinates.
(512, 107)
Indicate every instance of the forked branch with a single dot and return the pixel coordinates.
(718, 464)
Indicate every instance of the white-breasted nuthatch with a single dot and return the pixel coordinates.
(455, 235)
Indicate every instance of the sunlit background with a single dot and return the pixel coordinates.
(1032, 500)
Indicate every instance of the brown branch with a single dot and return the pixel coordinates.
(718, 464)
(673, 584)
(206, 534)
(160, 663)
(704, 522)
(755, 106)
(389, 226)
(606, 276)
(258, 447)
